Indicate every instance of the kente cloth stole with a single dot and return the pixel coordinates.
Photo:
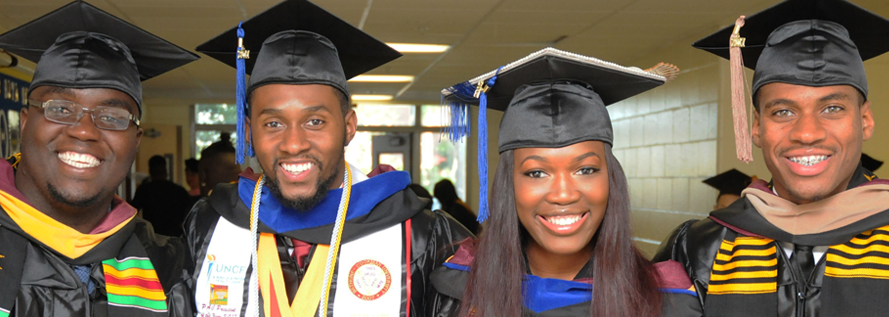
(744, 277)
(131, 282)
(371, 279)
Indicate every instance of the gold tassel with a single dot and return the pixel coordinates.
(743, 145)
(669, 71)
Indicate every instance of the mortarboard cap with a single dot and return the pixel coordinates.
(81, 46)
(296, 35)
(295, 42)
(807, 42)
(870, 163)
(730, 182)
(801, 42)
(551, 98)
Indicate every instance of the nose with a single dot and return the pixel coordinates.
(84, 128)
(808, 129)
(563, 190)
(295, 141)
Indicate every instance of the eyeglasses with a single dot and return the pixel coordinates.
(67, 112)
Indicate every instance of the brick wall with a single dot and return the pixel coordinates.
(666, 142)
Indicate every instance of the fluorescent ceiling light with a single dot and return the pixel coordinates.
(419, 48)
(382, 78)
(357, 97)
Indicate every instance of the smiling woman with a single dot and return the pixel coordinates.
(559, 220)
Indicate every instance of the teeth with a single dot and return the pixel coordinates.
(808, 160)
(79, 160)
(296, 168)
(563, 220)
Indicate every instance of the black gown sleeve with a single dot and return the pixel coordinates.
(173, 265)
(435, 237)
(674, 247)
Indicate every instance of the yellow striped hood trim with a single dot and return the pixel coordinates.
(746, 265)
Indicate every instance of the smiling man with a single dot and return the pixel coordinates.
(68, 245)
(323, 238)
(812, 241)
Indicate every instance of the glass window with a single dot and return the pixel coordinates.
(370, 115)
(396, 160)
(222, 113)
(360, 150)
(210, 121)
(433, 115)
(442, 159)
(203, 139)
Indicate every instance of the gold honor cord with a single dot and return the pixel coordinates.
(253, 292)
(335, 239)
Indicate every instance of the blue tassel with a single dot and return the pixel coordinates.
(483, 150)
(241, 93)
(457, 125)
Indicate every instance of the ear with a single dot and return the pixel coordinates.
(756, 130)
(248, 133)
(867, 120)
(23, 119)
(351, 126)
(138, 136)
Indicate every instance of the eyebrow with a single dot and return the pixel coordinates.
(535, 158)
(66, 92)
(782, 101)
(586, 155)
(271, 111)
(318, 108)
(115, 102)
(835, 96)
(274, 111)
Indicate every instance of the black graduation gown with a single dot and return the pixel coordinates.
(696, 243)
(44, 284)
(38, 281)
(678, 301)
(433, 239)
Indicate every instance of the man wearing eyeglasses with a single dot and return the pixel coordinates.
(68, 245)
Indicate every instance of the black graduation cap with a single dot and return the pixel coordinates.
(807, 42)
(81, 46)
(294, 42)
(731, 182)
(870, 163)
(297, 41)
(560, 94)
(551, 98)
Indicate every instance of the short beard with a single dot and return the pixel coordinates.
(76, 203)
(799, 197)
(303, 203)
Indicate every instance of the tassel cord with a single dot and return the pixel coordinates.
(335, 240)
(743, 145)
(243, 148)
(483, 146)
(253, 292)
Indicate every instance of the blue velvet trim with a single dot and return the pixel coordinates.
(542, 294)
(456, 266)
(365, 196)
(679, 291)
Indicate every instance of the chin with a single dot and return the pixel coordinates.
(564, 247)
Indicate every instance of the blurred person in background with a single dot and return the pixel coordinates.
(162, 202)
(446, 194)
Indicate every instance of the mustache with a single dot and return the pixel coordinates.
(312, 158)
(783, 151)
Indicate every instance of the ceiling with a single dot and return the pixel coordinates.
(483, 34)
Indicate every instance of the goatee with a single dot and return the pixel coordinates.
(303, 203)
